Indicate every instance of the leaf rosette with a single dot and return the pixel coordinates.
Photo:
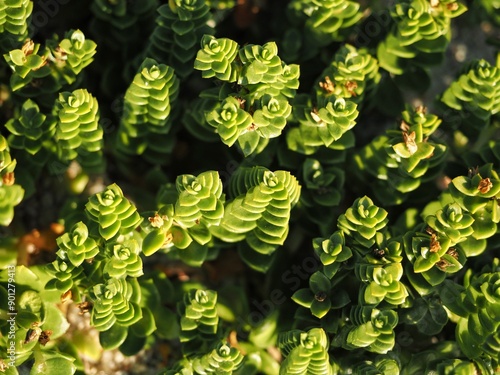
(112, 305)
(425, 250)
(452, 222)
(353, 74)
(335, 119)
(65, 273)
(286, 84)
(122, 259)
(271, 115)
(475, 94)
(200, 200)
(30, 129)
(14, 22)
(305, 352)
(78, 133)
(112, 213)
(78, 245)
(411, 150)
(476, 191)
(27, 64)
(261, 64)
(73, 54)
(259, 215)
(223, 359)
(421, 32)
(230, 120)
(373, 330)
(324, 21)
(383, 284)
(362, 221)
(149, 99)
(180, 25)
(216, 58)
(332, 252)
(199, 319)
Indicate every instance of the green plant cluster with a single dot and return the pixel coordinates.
(249, 187)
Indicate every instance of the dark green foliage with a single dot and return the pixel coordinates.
(121, 14)
(31, 129)
(478, 331)
(175, 40)
(322, 22)
(419, 35)
(249, 187)
(403, 159)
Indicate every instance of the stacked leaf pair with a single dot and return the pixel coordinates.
(147, 119)
(258, 215)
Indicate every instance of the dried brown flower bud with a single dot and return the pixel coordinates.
(8, 179)
(485, 185)
(84, 307)
(66, 296)
(351, 86)
(435, 246)
(156, 221)
(328, 86)
(409, 139)
(44, 337)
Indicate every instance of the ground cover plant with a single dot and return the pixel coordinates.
(249, 187)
